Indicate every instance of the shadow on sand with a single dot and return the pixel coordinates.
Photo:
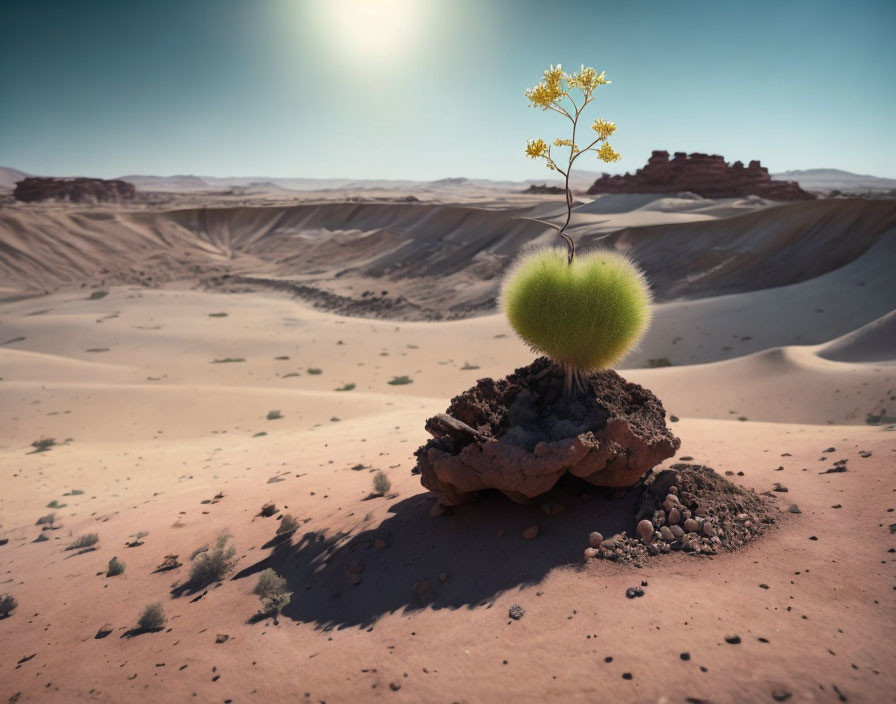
(479, 546)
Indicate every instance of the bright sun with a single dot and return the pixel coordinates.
(374, 28)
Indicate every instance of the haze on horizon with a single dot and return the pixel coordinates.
(424, 89)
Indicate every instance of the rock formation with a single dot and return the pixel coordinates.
(522, 433)
(544, 189)
(76, 190)
(707, 175)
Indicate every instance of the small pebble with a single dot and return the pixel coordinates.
(685, 656)
(634, 592)
(595, 539)
(645, 530)
(516, 612)
(531, 532)
(734, 639)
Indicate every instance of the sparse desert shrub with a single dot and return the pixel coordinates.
(288, 524)
(153, 617)
(268, 509)
(55, 504)
(274, 415)
(381, 483)
(116, 567)
(73, 492)
(88, 540)
(213, 565)
(7, 604)
(346, 387)
(47, 520)
(228, 360)
(43, 444)
(655, 362)
(585, 312)
(400, 380)
(314, 371)
(271, 591)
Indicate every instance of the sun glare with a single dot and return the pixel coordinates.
(373, 28)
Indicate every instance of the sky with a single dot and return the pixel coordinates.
(426, 89)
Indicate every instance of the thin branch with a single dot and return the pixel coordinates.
(542, 222)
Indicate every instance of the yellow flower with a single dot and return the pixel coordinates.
(607, 153)
(536, 148)
(588, 79)
(566, 143)
(603, 128)
(550, 90)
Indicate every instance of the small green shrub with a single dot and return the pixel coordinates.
(116, 567)
(655, 362)
(288, 524)
(88, 540)
(314, 371)
(43, 444)
(47, 520)
(585, 315)
(228, 360)
(153, 617)
(55, 504)
(213, 565)
(7, 604)
(73, 492)
(400, 380)
(271, 591)
(381, 483)
(274, 415)
(346, 387)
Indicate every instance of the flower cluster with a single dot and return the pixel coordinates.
(549, 95)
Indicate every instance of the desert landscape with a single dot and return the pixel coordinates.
(317, 386)
(194, 363)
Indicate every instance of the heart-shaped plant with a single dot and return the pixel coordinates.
(585, 311)
(585, 314)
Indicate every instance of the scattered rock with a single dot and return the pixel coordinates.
(531, 532)
(595, 539)
(794, 509)
(516, 612)
(645, 530)
(732, 639)
(268, 510)
(634, 592)
(222, 638)
(780, 487)
(105, 630)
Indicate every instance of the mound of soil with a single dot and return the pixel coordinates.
(520, 434)
(690, 508)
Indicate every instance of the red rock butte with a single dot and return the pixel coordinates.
(707, 175)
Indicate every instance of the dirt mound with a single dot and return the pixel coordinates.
(690, 508)
(520, 434)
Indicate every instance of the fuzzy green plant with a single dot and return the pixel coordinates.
(585, 314)
(381, 483)
(212, 565)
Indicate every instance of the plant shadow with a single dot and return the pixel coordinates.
(344, 580)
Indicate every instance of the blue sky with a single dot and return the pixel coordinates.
(433, 88)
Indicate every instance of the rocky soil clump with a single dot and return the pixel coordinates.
(688, 508)
(520, 434)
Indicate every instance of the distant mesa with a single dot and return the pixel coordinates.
(76, 190)
(544, 189)
(707, 175)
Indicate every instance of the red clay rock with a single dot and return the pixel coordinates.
(707, 175)
(520, 434)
